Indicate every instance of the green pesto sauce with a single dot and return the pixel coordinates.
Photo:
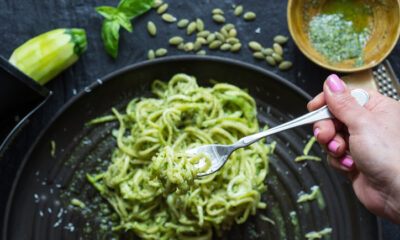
(341, 31)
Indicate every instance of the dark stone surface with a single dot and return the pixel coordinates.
(22, 20)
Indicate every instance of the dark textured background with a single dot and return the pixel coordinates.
(21, 20)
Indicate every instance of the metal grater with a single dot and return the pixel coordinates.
(381, 78)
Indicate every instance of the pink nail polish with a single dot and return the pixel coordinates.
(335, 84)
(316, 131)
(347, 162)
(333, 146)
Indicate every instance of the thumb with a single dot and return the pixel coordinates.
(341, 104)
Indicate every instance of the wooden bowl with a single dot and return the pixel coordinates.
(385, 32)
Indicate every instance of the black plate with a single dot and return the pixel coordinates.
(36, 211)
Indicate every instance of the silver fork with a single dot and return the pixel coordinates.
(219, 154)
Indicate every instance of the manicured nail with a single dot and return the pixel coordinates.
(316, 131)
(335, 84)
(333, 146)
(347, 162)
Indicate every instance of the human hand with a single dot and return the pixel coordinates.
(364, 143)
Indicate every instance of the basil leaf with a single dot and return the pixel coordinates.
(133, 8)
(111, 13)
(110, 35)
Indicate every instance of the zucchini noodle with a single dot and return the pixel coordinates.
(150, 182)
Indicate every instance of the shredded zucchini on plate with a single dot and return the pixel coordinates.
(150, 182)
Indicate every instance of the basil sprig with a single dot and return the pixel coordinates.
(117, 17)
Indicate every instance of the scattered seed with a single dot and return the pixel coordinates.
(249, 16)
(157, 3)
(236, 47)
(278, 49)
(196, 45)
(224, 32)
(232, 40)
(232, 32)
(229, 26)
(218, 18)
(233, 6)
(151, 54)
(168, 18)
(191, 28)
(201, 40)
(199, 24)
(175, 40)
(258, 55)
(211, 38)
(268, 52)
(162, 8)
(219, 36)
(215, 44)
(203, 34)
(270, 60)
(180, 46)
(217, 11)
(238, 10)
(255, 46)
(201, 52)
(188, 47)
(183, 23)
(151, 27)
(280, 39)
(161, 52)
(225, 47)
(285, 65)
(277, 57)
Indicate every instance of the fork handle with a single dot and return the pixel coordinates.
(360, 95)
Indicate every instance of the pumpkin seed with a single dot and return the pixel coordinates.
(280, 39)
(249, 16)
(211, 38)
(215, 44)
(199, 24)
(191, 28)
(277, 57)
(201, 40)
(168, 18)
(229, 26)
(201, 52)
(180, 46)
(151, 27)
(255, 46)
(278, 49)
(238, 10)
(175, 40)
(285, 65)
(224, 32)
(236, 47)
(162, 8)
(218, 18)
(219, 36)
(161, 52)
(268, 52)
(232, 40)
(217, 11)
(151, 54)
(196, 45)
(258, 55)
(157, 3)
(188, 47)
(225, 47)
(270, 60)
(183, 23)
(203, 34)
(232, 32)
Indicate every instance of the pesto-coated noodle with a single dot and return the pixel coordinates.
(150, 181)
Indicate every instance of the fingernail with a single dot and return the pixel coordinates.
(316, 131)
(335, 84)
(333, 146)
(347, 162)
